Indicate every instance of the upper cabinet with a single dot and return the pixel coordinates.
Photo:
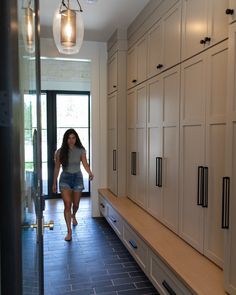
(164, 40)
(204, 24)
(112, 74)
(137, 63)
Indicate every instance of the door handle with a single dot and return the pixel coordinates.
(200, 185)
(49, 225)
(225, 202)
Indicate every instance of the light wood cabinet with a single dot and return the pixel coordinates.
(204, 24)
(229, 181)
(163, 97)
(203, 146)
(164, 41)
(137, 63)
(136, 144)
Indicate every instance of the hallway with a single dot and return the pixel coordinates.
(95, 262)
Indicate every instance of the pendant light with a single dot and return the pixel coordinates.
(28, 27)
(68, 27)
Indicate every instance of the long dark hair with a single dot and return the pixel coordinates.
(64, 150)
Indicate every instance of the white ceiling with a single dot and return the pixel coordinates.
(100, 18)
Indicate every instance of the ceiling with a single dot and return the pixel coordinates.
(101, 18)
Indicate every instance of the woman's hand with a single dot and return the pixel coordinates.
(91, 176)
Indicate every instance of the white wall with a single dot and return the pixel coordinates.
(96, 52)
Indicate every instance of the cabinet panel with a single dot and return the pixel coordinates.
(131, 109)
(112, 111)
(194, 26)
(112, 74)
(154, 192)
(155, 101)
(141, 106)
(170, 176)
(132, 67)
(131, 163)
(192, 156)
(141, 166)
(142, 60)
(193, 79)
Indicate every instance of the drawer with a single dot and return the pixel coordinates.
(164, 279)
(115, 220)
(103, 206)
(136, 246)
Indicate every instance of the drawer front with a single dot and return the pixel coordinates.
(163, 279)
(103, 206)
(115, 220)
(136, 246)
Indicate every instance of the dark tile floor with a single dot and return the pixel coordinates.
(95, 262)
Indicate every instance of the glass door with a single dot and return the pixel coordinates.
(32, 202)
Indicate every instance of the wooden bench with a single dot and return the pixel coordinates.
(177, 259)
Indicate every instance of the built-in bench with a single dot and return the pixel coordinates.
(171, 264)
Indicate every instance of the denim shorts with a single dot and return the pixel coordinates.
(72, 181)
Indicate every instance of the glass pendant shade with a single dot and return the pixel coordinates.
(28, 29)
(68, 30)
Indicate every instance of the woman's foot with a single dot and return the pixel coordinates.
(74, 221)
(68, 237)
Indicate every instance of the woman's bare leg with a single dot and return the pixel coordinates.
(75, 206)
(66, 196)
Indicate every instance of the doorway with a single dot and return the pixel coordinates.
(63, 110)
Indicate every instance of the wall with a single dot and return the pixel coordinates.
(95, 52)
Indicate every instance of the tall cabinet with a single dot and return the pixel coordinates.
(229, 181)
(116, 109)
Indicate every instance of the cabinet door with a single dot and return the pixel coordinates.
(217, 20)
(216, 100)
(171, 37)
(192, 146)
(155, 49)
(194, 26)
(231, 11)
(154, 153)
(171, 102)
(132, 78)
(112, 143)
(112, 74)
(142, 59)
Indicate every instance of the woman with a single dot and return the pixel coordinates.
(71, 183)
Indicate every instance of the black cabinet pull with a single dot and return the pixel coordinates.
(205, 187)
(202, 41)
(133, 244)
(200, 185)
(168, 288)
(229, 11)
(113, 219)
(134, 80)
(133, 163)
(159, 66)
(159, 171)
(114, 86)
(101, 204)
(207, 39)
(225, 202)
(114, 160)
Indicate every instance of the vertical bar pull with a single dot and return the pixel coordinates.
(225, 202)
(159, 171)
(205, 187)
(168, 288)
(200, 186)
(114, 160)
(133, 163)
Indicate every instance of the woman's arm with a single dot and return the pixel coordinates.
(86, 165)
(56, 171)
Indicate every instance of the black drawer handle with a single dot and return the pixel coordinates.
(114, 86)
(200, 185)
(133, 244)
(101, 204)
(202, 41)
(133, 163)
(159, 66)
(229, 11)
(207, 39)
(225, 202)
(159, 171)
(134, 80)
(168, 288)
